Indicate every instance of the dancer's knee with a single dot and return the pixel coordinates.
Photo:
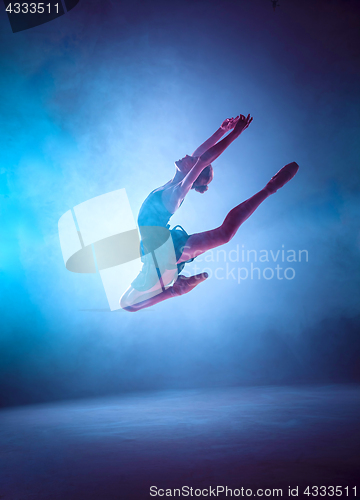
(226, 233)
(130, 309)
(125, 303)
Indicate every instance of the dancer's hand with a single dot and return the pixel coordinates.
(185, 284)
(242, 124)
(229, 124)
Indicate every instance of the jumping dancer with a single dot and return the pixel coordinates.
(192, 172)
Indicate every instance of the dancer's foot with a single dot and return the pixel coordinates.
(185, 284)
(282, 177)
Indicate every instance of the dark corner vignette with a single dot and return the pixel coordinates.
(26, 15)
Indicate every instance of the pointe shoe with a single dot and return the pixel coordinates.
(282, 177)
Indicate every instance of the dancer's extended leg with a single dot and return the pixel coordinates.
(201, 242)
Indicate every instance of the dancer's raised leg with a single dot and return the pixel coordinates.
(201, 242)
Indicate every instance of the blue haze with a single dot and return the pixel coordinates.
(107, 97)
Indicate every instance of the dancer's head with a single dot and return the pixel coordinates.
(201, 185)
(185, 164)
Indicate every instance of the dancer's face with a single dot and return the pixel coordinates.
(185, 164)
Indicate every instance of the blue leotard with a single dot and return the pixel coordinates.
(153, 213)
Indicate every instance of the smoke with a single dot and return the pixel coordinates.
(107, 97)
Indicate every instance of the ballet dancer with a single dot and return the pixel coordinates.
(192, 172)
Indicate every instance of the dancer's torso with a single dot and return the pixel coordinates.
(153, 211)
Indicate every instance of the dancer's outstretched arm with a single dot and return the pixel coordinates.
(211, 154)
(226, 125)
(181, 286)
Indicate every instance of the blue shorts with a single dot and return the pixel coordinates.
(149, 275)
(180, 237)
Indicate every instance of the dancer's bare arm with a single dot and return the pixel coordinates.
(226, 125)
(211, 154)
(181, 286)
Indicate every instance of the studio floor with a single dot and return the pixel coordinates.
(118, 447)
